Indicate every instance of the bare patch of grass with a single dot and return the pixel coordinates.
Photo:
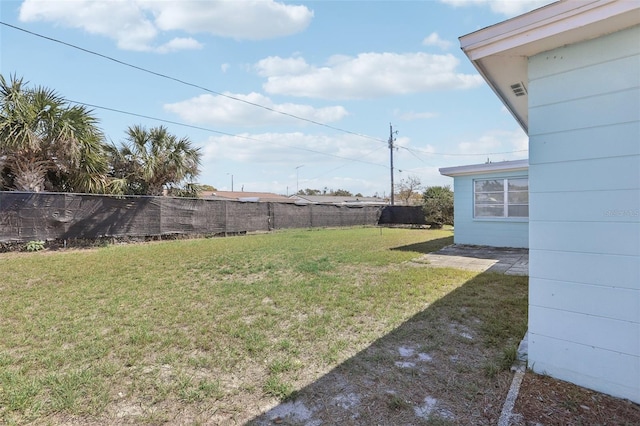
(81, 327)
(217, 330)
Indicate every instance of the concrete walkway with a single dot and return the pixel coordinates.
(510, 261)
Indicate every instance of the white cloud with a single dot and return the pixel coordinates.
(366, 76)
(247, 19)
(179, 44)
(268, 161)
(118, 19)
(503, 7)
(137, 24)
(222, 110)
(434, 39)
(276, 149)
(498, 145)
(274, 65)
(412, 115)
(224, 67)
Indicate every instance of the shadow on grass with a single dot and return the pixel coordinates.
(448, 364)
(426, 246)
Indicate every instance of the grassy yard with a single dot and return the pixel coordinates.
(218, 331)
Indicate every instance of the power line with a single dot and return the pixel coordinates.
(186, 83)
(458, 154)
(205, 129)
(346, 164)
(197, 86)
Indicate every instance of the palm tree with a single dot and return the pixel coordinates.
(45, 143)
(154, 160)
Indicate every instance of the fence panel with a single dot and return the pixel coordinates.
(49, 216)
(290, 216)
(247, 216)
(95, 216)
(407, 215)
(30, 216)
(190, 216)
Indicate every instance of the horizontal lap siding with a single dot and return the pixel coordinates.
(560, 147)
(561, 296)
(613, 372)
(613, 205)
(587, 237)
(584, 268)
(588, 330)
(584, 168)
(489, 232)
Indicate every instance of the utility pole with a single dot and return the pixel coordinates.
(391, 132)
(231, 180)
(297, 188)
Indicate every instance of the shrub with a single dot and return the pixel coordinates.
(34, 246)
(438, 206)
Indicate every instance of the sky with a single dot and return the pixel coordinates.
(280, 96)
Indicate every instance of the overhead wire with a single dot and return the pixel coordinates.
(205, 129)
(186, 83)
(345, 165)
(459, 154)
(200, 87)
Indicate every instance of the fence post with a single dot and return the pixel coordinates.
(226, 220)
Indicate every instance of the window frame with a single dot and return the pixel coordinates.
(505, 199)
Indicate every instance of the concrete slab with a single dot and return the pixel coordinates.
(510, 261)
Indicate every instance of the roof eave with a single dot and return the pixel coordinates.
(486, 168)
(500, 52)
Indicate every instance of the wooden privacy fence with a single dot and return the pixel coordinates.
(28, 216)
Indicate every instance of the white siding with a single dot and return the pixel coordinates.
(584, 219)
(507, 232)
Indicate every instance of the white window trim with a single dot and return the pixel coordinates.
(505, 189)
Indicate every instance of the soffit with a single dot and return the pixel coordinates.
(500, 53)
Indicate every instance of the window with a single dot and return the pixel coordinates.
(501, 197)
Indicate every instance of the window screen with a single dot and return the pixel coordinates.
(501, 197)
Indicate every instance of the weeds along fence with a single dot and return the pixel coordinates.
(27, 216)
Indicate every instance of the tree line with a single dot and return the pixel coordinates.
(436, 201)
(49, 144)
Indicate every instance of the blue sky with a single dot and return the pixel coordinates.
(354, 67)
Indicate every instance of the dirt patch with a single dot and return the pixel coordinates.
(543, 400)
(440, 367)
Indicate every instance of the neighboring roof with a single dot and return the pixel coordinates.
(476, 169)
(330, 199)
(245, 196)
(500, 52)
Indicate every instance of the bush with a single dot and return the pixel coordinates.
(34, 246)
(438, 206)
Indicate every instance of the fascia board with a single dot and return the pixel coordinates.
(546, 28)
(555, 25)
(476, 169)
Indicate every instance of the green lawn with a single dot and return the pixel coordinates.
(211, 328)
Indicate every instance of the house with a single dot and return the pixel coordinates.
(339, 200)
(491, 203)
(245, 196)
(569, 73)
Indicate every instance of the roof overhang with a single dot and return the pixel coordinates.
(500, 52)
(478, 169)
